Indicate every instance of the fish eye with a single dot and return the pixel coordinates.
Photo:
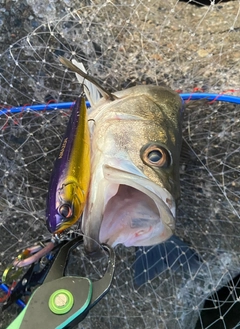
(155, 155)
(65, 211)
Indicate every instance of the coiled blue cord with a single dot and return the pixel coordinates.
(65, 106)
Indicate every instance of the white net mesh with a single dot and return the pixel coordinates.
(123, 43)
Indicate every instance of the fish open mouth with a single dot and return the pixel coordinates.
(136, 211)
(127, 208)
(129, 218)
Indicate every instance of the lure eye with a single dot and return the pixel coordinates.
(65, 211)
(155, 155)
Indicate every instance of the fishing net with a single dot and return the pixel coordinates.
(190, 48)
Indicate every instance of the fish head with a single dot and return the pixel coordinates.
(65, 207)
(136, 143)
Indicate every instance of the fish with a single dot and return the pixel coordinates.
(70, 178)
(136, 139)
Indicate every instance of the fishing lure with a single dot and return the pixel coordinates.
(70, 178)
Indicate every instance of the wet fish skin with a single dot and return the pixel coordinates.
(69, 183)
(132, 201)
(139, 116)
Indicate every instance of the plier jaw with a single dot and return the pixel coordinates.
(34, 276)
(62, 301)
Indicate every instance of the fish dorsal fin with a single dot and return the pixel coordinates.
(90, 89)
(106, 94)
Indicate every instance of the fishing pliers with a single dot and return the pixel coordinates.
(60, 301)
